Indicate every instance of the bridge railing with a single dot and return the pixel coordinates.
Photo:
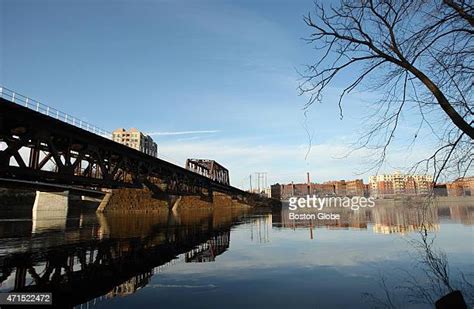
(51, 112)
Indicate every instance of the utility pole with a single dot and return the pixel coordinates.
(257, 175)
(261, 181)
(250, 178)
(259, 187)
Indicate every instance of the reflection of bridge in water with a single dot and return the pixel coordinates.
(207, 252)
(86, 271)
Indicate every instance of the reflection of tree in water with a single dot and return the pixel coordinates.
(436, 278)
(434, 265)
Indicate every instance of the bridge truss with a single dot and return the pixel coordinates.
(40, 148)
(210, 169)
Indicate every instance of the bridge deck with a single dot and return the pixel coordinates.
(36, 147)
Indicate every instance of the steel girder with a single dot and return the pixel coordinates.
(36, 147)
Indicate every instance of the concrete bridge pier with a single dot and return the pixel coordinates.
(50, 211)
(104, 228)
(20, 277)
(173, 202)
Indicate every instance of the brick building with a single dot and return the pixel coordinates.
(463, 186)
(339, 187)
(355, 187)
(330, 188)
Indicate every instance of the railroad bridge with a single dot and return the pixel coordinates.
(41, 145)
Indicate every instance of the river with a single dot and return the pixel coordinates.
(239, 257)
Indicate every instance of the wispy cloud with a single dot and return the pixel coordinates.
(183, 132)
(285, 162)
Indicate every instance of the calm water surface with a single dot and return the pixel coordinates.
(238, 258)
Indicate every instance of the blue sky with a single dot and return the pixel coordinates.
(171, 68)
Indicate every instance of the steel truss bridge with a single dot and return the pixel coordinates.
(41, 144)
(210, 169)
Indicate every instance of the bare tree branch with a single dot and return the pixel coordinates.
(428, 45)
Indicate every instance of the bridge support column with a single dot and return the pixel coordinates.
(104, 229)
(104, 202)
(50, 211)
(20, 277)
(209, 197)
(173, 202)
(128, 199)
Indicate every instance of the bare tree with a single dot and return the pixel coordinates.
(417, 53)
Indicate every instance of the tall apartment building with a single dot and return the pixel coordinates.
(387, 185)
(136, 140)
(424, 184)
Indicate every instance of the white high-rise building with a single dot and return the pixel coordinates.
(136, 140)
(384, 185)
